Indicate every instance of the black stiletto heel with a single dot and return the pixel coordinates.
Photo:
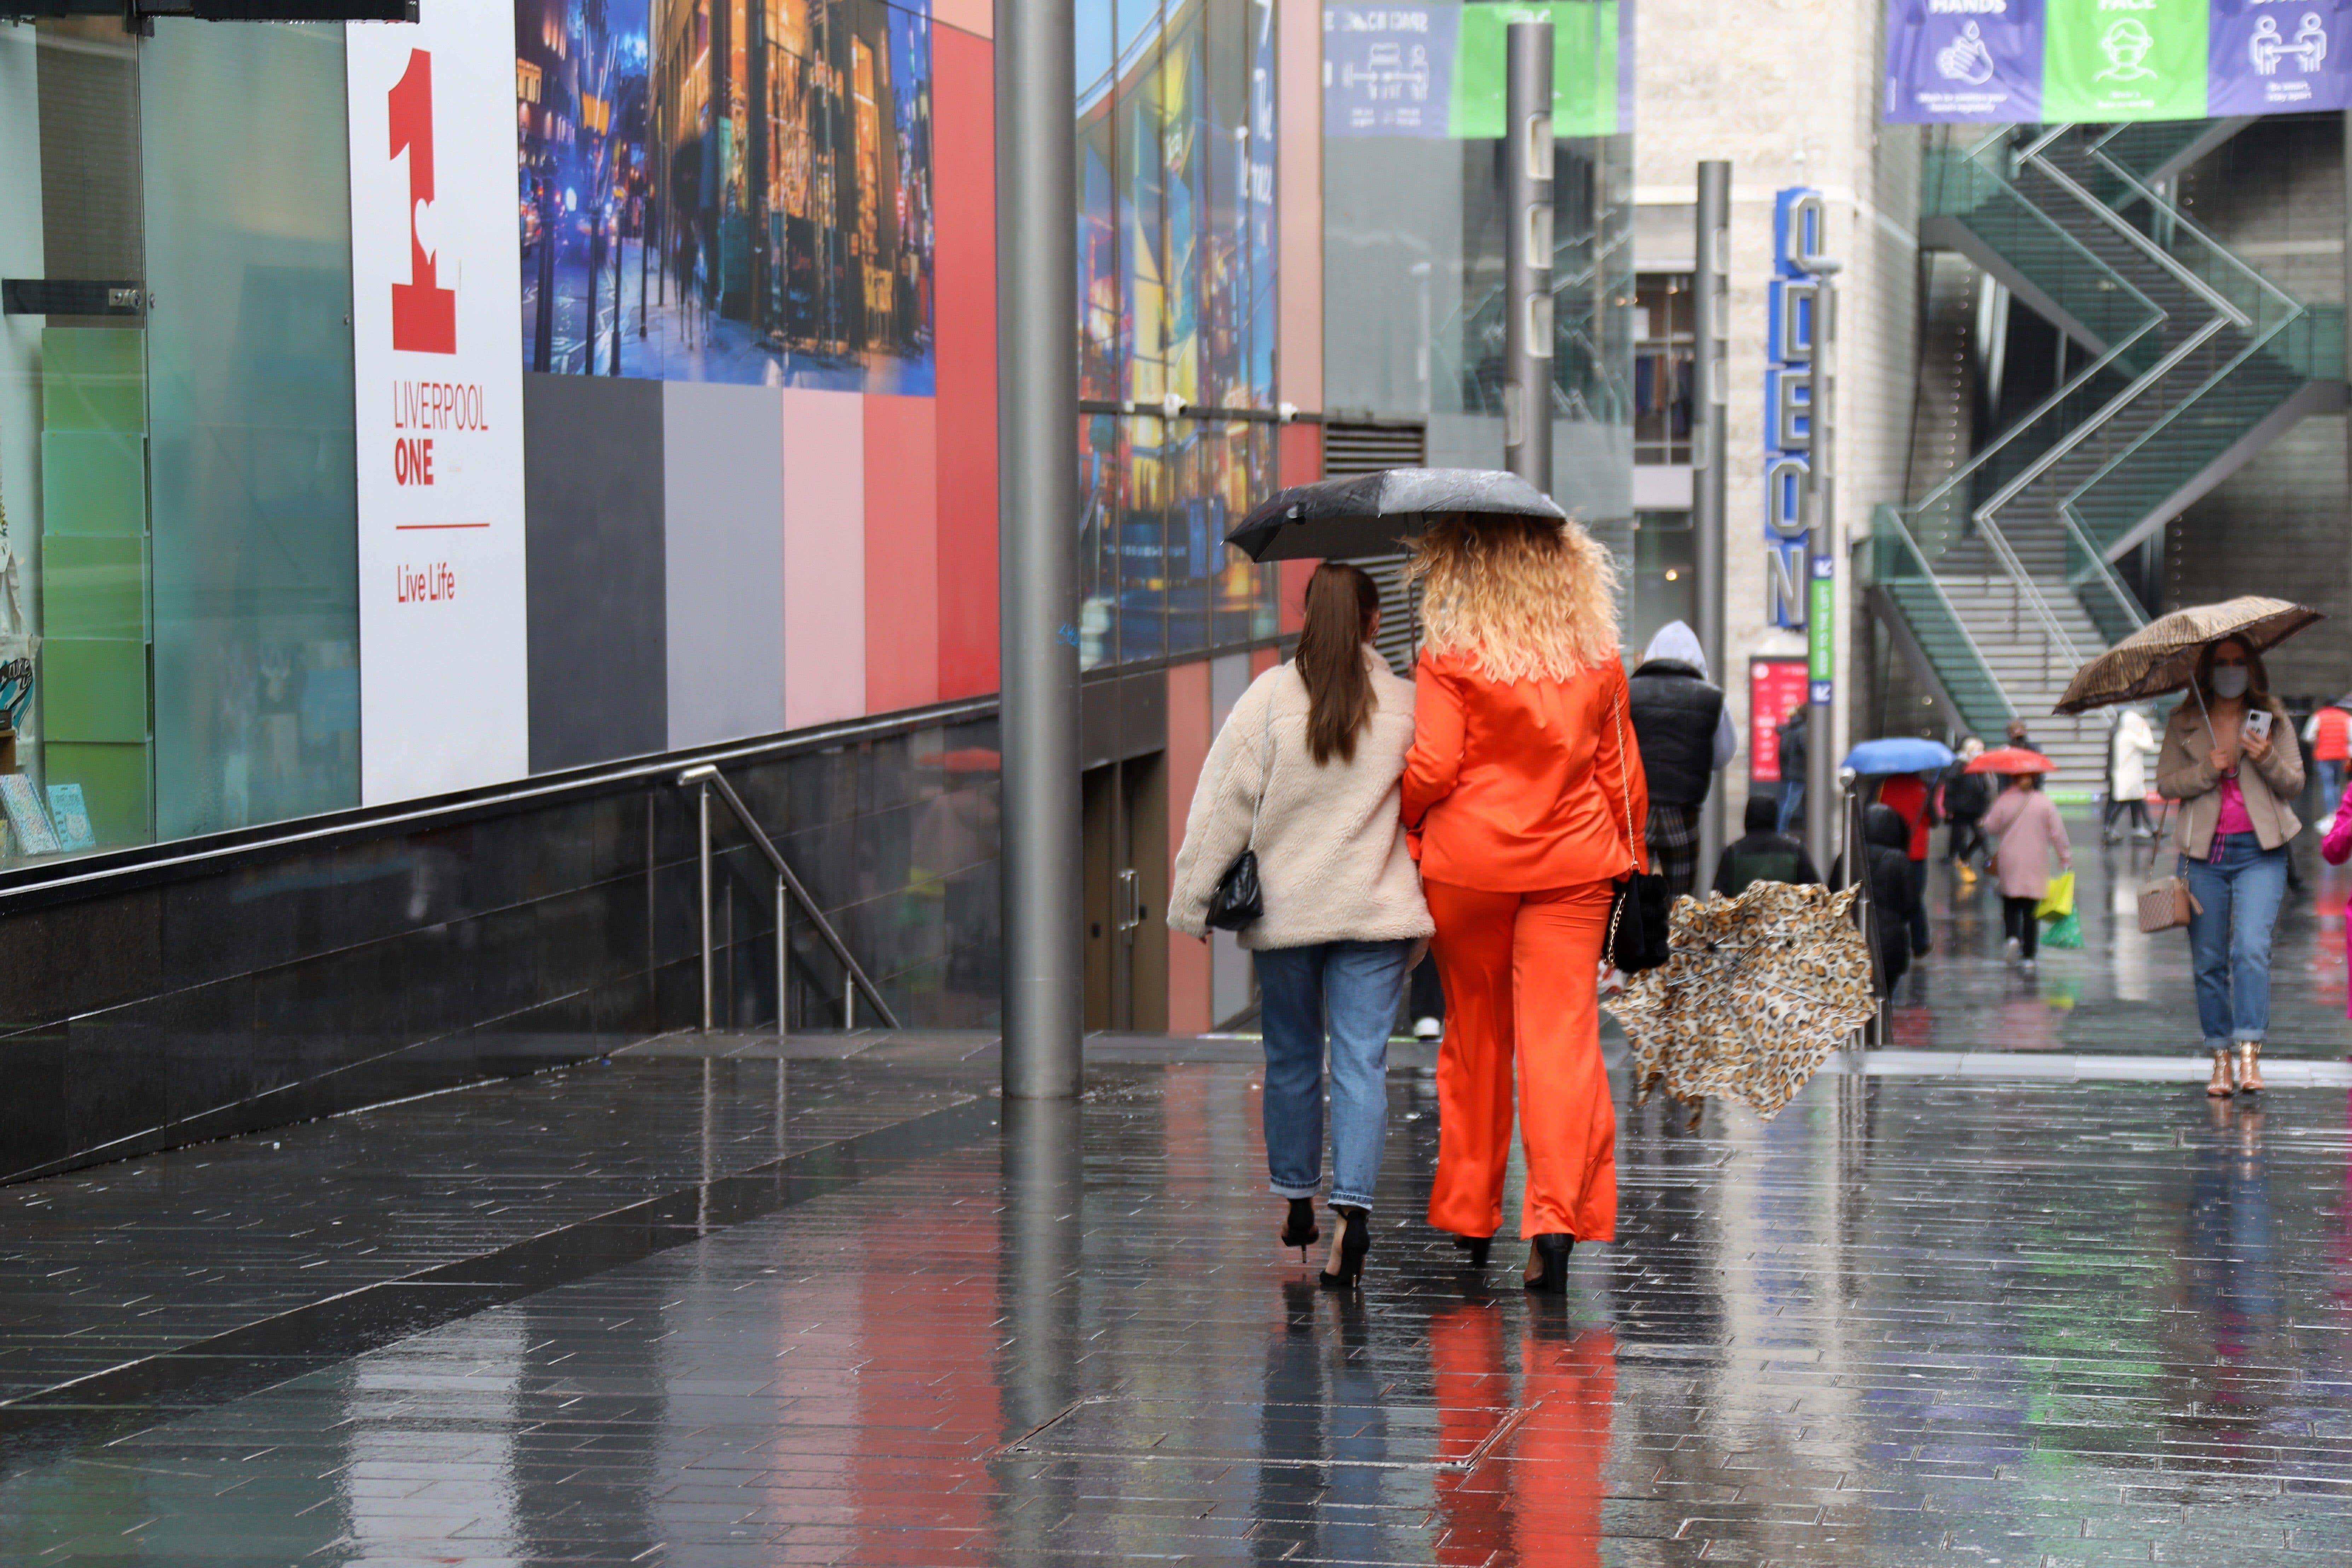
(1355, 1240)
(1477, 1246)
(1552, 1251)
(1299, 1229)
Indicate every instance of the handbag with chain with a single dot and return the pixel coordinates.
(2164, 901)
(1240, 897)
(1636, 938)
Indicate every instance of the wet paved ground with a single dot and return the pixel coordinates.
(1927, 1316)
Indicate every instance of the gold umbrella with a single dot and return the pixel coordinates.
(1758, 991)
(2161, 657)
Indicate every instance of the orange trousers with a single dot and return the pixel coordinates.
(1522, 975)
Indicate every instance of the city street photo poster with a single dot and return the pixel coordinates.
(729, 191)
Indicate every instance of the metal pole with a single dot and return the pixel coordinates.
(1037, 533)
(1710, 400)
(1527, 254)
(702, 816)
(783, 962)
(1820, 586)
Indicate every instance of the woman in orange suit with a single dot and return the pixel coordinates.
(1525, 796)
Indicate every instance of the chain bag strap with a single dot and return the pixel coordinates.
(1636, 938)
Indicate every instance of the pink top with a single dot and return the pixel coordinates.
(2337, 847)
(2234, 817)
(2030, 832)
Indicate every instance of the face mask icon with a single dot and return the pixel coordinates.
(2127, 47)
(1966, 59)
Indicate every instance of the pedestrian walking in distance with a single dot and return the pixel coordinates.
(1894, 895)
(2329, 735)
(2030, 832)
(1790, 735)
(1527, 791)
(1304, 775)
(2129, 745)
(1967, 798)
(2229, 756)
(1685, 738)
(1912, 797)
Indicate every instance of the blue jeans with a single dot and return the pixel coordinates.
(1353, 987)
(2331, 785)
(2238, 893)
(1792, 798)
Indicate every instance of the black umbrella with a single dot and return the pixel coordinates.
(1374, 514)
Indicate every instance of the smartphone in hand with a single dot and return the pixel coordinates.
(2258, 723)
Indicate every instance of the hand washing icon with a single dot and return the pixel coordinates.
(2266, 48)
(1966, 59)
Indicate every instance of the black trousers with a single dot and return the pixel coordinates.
(1428, 995)
(1967, 839)
(2139, 809)
(2016, 920)
(1918, 907)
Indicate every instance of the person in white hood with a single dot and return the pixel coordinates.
(1686, 736)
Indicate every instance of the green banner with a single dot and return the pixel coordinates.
(2144, 59)
(1583, 69)
(1821, 622)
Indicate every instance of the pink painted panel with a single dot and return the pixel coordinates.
(975, 17)
(902, 554)
(824, 557)
(1298, 186)
(1189, 1005)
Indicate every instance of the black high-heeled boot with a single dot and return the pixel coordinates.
(1299, 1229)
(1477, 1246)
(1355, 1240)
(1552, 1251)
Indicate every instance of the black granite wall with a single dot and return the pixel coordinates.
(163, 996)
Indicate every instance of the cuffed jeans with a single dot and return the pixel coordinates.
(2237, 894)
(1350, 988)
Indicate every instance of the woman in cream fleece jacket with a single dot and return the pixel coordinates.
(1305, 773)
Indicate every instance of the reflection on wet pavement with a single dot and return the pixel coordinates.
(1915, 1320)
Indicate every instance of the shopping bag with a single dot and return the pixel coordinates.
(2059, 901)
(2066, 931)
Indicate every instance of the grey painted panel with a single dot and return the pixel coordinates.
(593, 522)
(724, 493)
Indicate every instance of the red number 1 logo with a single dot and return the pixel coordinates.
(423, 314)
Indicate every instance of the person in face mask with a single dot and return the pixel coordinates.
(2230, 758)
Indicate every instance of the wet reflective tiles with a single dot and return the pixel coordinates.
(1913, 1321)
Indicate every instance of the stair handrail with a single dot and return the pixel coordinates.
(2133, 236)
(1894, 515)
(2029, 590)
(2172, 214)
(706, 778)
(2101, 566)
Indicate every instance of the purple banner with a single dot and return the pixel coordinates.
(1968, 60)
(2275, 57)
(1388, 70)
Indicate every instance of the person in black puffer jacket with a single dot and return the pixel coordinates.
(1686, 737)
(1886, 837)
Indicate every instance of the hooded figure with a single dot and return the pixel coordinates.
(1685, 736)
(1763, 854)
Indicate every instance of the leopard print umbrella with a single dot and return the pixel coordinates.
(1760, 989)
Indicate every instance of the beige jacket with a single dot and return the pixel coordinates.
(2184, 772)
(1330, 839)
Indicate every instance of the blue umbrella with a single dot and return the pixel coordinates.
(1899, 755)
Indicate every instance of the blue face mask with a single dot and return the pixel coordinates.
(2229, 680)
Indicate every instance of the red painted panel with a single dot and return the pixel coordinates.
(1262, 659)
(964, 196)
(1190, 1002)
(902, 554)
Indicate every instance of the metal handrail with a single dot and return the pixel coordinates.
(2101, 567)
(707, 778)
(1928, 568)
(2029, 590)
(2156, 252)
(2179, 219)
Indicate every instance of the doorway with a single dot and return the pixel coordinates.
(1125, 808)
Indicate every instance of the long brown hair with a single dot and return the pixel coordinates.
(1340, 605)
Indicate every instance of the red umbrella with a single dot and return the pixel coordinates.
(2011, 760)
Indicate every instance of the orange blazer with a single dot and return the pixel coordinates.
(1515, 788)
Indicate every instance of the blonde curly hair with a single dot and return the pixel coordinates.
(1524, 596)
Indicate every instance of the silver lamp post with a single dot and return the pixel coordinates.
(1527, 253)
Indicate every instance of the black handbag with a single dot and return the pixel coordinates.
(1240, 899)
(1638, 905)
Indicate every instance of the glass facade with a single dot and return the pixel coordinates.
(1412, 238)
(181, 626)
(1176, 289)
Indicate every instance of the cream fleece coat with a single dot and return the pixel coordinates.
(1330, 840)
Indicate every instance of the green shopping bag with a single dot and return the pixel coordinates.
(2066, 931)
(2059, 901)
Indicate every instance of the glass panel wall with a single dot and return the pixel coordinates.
(178, 590)
(1176, 262)
(1412, 171)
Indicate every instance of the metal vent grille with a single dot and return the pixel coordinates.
(1366, 447)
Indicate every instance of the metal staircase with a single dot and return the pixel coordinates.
(2001, 579)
